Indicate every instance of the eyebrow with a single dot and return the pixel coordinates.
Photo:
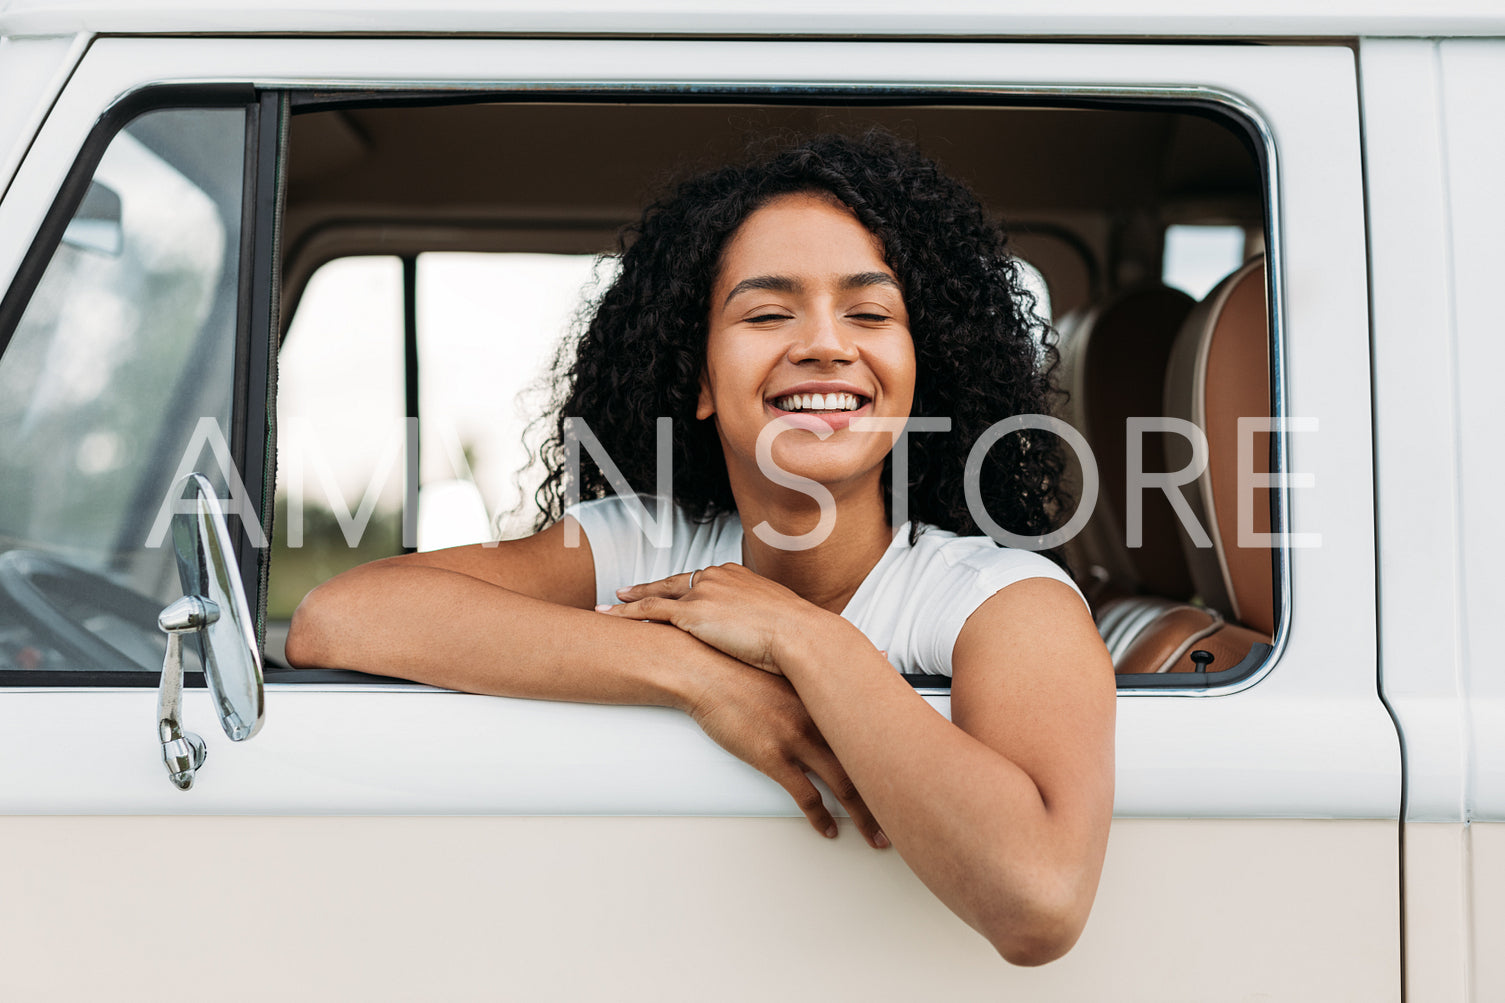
(786, 284)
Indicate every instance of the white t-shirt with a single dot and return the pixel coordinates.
(912, 604)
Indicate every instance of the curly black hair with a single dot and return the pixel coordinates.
(982, 354)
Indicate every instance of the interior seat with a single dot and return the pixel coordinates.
(1114, 361)
(1218, 372)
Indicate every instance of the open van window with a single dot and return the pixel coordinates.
(426, 194)
(1198, 255)
(419, 196)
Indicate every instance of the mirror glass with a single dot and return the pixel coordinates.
(206, 566)
(97, 225)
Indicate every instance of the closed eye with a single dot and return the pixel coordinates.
(765, 318)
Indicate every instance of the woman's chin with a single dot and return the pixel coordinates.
(825, 462)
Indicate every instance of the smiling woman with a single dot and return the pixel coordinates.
(808, 327)
(788, 316)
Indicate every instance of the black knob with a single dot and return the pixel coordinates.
(1203, 659)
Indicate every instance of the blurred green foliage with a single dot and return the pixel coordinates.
(325, 553)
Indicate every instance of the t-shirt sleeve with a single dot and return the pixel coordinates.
(616, 543)
(962, 585)
(635, 539)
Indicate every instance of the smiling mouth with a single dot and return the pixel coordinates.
(819, 403)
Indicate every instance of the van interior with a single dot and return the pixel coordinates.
(1146, 222)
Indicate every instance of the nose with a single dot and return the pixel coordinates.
(821, 337)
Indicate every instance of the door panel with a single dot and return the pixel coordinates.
(1295, 903)
(671, 909)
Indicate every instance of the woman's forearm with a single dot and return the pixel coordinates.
(451, 629)
(443, 627)
(971, 823)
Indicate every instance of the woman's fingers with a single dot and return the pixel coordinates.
(672, 587)
(807, 798)
(759, 718)
(734, 610)
(651, 608)
(824, 764)
(736, 628)
(651, 600)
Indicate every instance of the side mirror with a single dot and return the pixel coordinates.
(214, 609)
(97, 223)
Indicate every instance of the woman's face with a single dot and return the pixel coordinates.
(808, 326)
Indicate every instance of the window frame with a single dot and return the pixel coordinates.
(1222, 106)
(255, 307)
(260, 324)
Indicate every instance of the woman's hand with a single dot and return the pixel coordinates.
(755, 715)
(760, 719)
(729, 607)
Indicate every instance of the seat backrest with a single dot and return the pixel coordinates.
(1219, 372)
(1114, 362)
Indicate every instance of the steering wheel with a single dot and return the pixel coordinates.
(56, 598)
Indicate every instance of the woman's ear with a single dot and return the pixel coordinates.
(704, 407)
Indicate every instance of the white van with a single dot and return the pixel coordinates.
(232, 229)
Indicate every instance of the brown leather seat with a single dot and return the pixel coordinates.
(1218, 372)
(1149, 634)
(1114, 361)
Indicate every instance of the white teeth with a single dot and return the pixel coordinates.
(817, 402)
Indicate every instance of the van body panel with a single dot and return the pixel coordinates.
(1455, 912)
(1256, 848)
(32, 71)
(672, 909)
(1435, 215)
(1438, 903)
(1472, 75)
(410, 750)
(1423, 664)
(842, 18)
(1487, 891)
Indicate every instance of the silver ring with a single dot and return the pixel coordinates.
(692, 578)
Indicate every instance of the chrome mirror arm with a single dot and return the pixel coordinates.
(182, 752)
(214, 608)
